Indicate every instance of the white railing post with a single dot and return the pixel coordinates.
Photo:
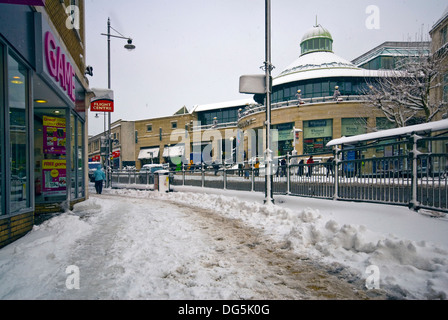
(224, 176)
(288, 184)
(414, 204)
(337, 160)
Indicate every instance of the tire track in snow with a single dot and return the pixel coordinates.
(277, 271)
(231, 260)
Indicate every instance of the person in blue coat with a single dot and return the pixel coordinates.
(99, 177)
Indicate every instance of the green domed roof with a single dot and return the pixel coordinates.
(316, 39)
(317, 32)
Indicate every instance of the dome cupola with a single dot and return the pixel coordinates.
(316, 39)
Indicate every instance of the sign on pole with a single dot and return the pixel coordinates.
(253, 84)
(103, 100)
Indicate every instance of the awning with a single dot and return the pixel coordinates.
(149, 153)
(174, 151)
(390, 133)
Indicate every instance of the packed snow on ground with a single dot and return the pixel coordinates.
(409, 251)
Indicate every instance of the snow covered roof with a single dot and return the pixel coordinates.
(316, 32)
(173, 151)
(442, 18)
(394, 49)
(384, 134)
(222, 105)
(321, 65)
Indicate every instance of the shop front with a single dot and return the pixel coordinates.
(59, 124)
(316, 135)
(42, 122)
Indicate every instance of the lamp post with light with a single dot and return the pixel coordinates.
(262, 84)
(129, 46)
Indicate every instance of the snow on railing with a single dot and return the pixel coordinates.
(385, 180)
(396, 173)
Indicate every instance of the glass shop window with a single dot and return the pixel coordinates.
(18, 96)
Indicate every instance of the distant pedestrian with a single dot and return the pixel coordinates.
(99, 177)
(240, 169)
(329, 166)
(246, 170)
(283, 167)
(300, 171)
(257, 167)
(310, 163)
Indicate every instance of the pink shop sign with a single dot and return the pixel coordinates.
(59, 66)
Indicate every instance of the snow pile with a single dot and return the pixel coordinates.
(46, 245)
(408, 269)
(141, 246)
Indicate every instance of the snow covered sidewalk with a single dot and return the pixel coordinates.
(199, 243)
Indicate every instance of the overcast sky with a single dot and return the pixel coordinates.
(192, 52)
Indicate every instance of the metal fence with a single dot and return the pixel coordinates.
(405, 172)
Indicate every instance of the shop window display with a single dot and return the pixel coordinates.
(316, 135)
(50, 155)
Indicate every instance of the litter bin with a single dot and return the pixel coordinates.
(162, 181)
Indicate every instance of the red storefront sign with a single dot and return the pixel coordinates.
(116, 154)
(102, 105)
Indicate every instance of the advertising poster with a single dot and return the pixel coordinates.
(54, 135)
(54, 177)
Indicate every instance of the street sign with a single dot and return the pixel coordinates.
(103, 100)
(253, 83)
(102, 105)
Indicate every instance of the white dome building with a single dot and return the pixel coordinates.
(303, 97)
(319, 70)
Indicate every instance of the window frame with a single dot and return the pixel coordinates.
(7, 53)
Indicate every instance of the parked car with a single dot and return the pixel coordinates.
(92, 168)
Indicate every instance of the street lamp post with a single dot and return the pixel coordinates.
(269, 198)
(129, 46)
(262, 84)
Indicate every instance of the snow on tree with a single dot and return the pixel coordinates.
(403, 94)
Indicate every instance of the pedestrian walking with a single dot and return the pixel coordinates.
(310, 163)
(257, 167)
(283, 167)
(99, 177)
(329, 166)
(300, 171)
(247, 170)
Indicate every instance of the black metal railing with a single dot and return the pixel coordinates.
(389, 173)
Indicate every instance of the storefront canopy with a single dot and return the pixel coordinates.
(174, 151)
(396, 132)
(149, 153)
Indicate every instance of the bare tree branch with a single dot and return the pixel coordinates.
(404, 94)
